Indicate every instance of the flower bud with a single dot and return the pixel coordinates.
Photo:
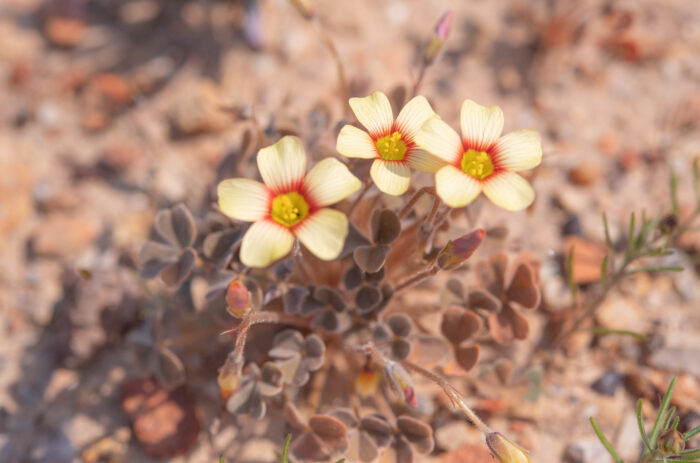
(440, 34)
(670, 442)
(228, 379)
(238, 299)
(402, 383)
(457, 251)
(505, 450)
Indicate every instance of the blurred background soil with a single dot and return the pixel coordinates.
(111, 109)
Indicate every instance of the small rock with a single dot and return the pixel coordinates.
(453, 435)
(468, 453)
(164, 422)
(609, 143)
(585, 174)
(64, 32)
(65, 235)
(114, 89)
(197, 109)
(677, 360)
(608, 383)
(572, 226)
(587, 259)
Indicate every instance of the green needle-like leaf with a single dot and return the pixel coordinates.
(655, 269)
(600, 331)
(641, 426)
(673, 183)
(285, 449)
(605, 442)
(630, 238)
(692, 433)
(656, 430)
(604, 272)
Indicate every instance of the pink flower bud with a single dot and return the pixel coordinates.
(459, 250)
(238, 301)
(443, 26)
(402, 383)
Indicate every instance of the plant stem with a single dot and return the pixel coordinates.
(456, 398)
(412, 201)
(431, 270)
(256, 318)
(340, 69)
(320, 381)
(620, 274)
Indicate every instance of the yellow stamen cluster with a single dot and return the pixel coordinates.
(477, 164)
(289, 209)
(392, 147)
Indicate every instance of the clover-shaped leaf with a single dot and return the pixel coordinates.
(371, 258)
(298, 356)
(248, 398)
(367, 435)
(172, 259)
(176, 226)
(293, 298)
(412, 435)
(394, 332)
(459, 324)
(503, 291)
(354, 240)
(385, 226)
(219, 246)
(367, 299)
(322, 437)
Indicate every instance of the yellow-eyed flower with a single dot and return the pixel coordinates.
(389, 142)
(481, 159)
(291, 203)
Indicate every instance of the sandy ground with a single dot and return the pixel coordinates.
(97, 135)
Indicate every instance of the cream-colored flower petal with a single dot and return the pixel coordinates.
(328, 182)
(374, 112)
(283, 165)
(509, 191)
(265, 242)
(439, 139)
(244, 199)
(481, 125)
(419, 159)
(356, 143)
(413, 116)
(323, 233)
(391, 177)
(519, 150)
(455, 188)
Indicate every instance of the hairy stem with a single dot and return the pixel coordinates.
(431, 270)
(256, 318)
(455, 397)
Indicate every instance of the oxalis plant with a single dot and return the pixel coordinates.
(326, 251)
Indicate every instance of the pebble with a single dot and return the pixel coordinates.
(608, 383)
(585, 174)
(65, 235)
